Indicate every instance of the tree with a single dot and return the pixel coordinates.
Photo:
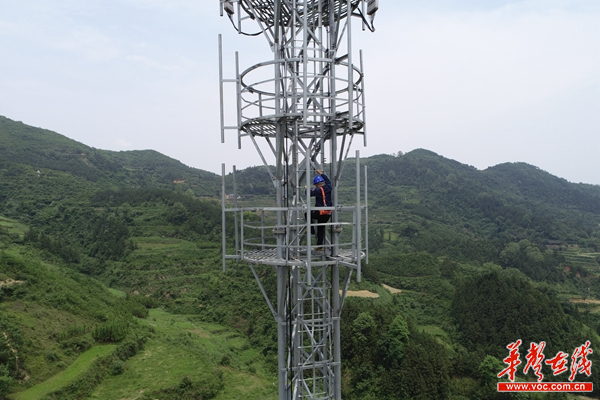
(363, 328)
(488, 370)
(6, 381)
(393, 342)
(177, 213)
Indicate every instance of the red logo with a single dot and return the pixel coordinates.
(580, 364)
(512, 360)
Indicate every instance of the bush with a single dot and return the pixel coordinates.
(205, 389)
(127, 349)
(116, 367)
(79, 344)
(139, 310)
(148, 302)
(110, 331)
(6, 382)
(51, 356)
(11, 340)
(225, 360)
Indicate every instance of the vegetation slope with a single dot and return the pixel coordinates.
(483, 258)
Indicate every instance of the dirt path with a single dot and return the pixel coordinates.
(585, 301)
(391, 289)
(10, 282)
(361, 293)
(15, 352)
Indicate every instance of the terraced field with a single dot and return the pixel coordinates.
(184, 347)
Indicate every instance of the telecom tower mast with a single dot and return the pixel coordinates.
(304, 106)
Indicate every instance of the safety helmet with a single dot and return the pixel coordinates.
(318, 179)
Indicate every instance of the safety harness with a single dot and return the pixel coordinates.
(324, 212)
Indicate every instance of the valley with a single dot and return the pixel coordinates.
(113, 260)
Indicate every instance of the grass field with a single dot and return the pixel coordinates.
(586, 258)
(184, 347)
(12, 226)
(117, 293)
(63, 378)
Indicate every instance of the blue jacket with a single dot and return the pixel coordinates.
(322, 194)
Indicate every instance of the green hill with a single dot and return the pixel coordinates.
(109, 244)
(26, 150)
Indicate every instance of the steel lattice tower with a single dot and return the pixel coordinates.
(305, 105)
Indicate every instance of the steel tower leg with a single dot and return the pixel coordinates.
(282, 324)
(337, 358)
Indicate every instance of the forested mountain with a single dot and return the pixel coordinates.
(482, 258)
(24, 148)
(509, 201)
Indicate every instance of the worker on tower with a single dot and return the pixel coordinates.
(322, 194)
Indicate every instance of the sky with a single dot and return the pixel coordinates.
(480, 82)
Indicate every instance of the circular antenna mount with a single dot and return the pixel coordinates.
(318, 11)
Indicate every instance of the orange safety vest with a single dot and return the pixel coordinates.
(324, 212)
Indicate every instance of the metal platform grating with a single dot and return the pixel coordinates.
(269, 257)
